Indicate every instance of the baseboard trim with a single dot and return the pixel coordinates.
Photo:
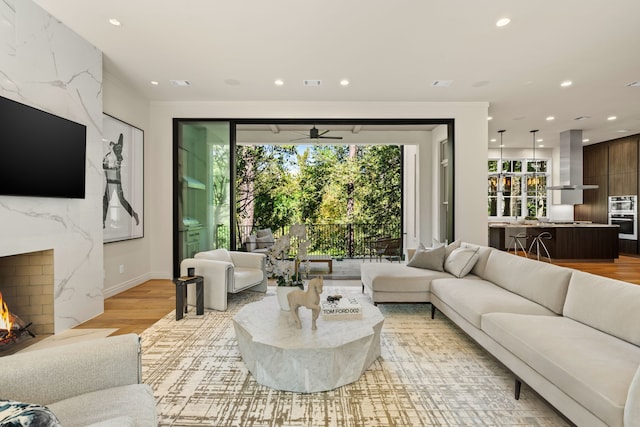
(121, 287)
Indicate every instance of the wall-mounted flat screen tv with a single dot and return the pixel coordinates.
(41, 155)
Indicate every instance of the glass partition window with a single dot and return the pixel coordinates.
(513, 193)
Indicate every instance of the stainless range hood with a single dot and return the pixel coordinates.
(571, 185)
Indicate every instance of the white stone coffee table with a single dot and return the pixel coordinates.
(283, 357)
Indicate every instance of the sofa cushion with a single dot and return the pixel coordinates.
(264, 242)
(388, 277)
(431, 259)
(538, 281)
(215, 255)
(592, 367)
(135, 401)
(17, 414)
(461, 261)
(632, 408)
(250, 243)
(471, 297)
(609, 305)
(124, 421)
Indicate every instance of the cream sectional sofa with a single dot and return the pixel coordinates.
(89, 383)
(573, 337)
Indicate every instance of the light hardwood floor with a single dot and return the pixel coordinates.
(138, 308)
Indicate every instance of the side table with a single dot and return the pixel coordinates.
(181, 294)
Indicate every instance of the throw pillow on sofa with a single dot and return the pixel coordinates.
(461, 261)
(430, 259)
(451, 247)
(17, 414)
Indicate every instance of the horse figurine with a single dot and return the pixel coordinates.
(309, 298)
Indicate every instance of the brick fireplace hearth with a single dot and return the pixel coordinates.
(26, 283)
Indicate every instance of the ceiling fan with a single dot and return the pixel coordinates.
(315, 133)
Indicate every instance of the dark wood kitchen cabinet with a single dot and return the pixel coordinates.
(623, 166)
(596, 172)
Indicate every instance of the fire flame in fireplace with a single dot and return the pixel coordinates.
(5, 317)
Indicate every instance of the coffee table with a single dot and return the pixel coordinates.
(283, 357)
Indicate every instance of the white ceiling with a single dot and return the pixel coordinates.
(389, 50)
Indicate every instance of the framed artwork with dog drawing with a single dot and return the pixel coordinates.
(123, 175)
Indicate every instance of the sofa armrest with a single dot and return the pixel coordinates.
(207, 268)
(632, 406)
(249, 259)
(52, 374)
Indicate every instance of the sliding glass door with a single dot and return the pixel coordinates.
(203, 187)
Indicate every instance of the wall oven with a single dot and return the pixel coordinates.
(623, 211)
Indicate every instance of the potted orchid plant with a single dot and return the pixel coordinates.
(285, 262)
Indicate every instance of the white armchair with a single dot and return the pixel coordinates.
(225, 272)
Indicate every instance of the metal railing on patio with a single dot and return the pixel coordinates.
(336, 240)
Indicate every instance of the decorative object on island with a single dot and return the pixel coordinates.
(309, 299)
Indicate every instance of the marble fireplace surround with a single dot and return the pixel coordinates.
(47, 66)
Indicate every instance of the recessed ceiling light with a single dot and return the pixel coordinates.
(153, 82)
(541, 145)
(489, 118)
(550, 118)
(586, 140)
(539, 140)
(502, 22)
(566, 83)
(278, 82)
(481, 83)
(623, 131)
(611, 118)
(344, 82)
(492, 140)
(501, 145)
(441, 83)
(114, 22)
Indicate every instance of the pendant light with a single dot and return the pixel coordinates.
(500, 173)
(535, 164)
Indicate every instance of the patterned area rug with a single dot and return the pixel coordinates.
(429, 374)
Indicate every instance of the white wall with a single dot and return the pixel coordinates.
(45, 65)
(411, 194)
(122, 102)
(471, 131)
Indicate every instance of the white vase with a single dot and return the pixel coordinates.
(282, 292)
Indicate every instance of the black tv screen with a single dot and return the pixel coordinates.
(41, 154)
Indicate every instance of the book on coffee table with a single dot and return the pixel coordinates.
(345, 308)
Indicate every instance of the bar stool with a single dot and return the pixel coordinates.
(539, 241)
(516, 240)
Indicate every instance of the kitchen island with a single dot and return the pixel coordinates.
(569, 241)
